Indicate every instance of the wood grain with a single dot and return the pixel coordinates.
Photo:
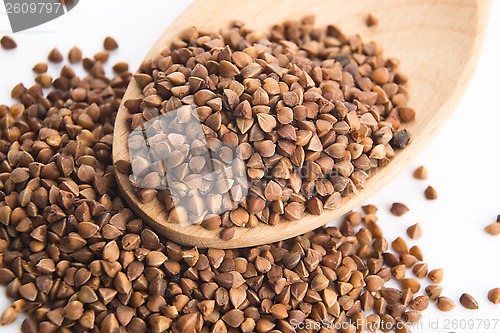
(437, 41)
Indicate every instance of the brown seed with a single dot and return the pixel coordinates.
(493, 229)
(227, 234)
(265, 148)
(399, 245)
(74, 55)
(406, 114)
(55, 56)
(371, 20)
(494, 295)
(279, 311)
(74, 310)
(110, 44)
(40, 68)
(391, 295)
(420, 303)
(273, 191)
(433, 291)
(414, 231)
(430, 193)
(420, 173)
(29, 291)
(445, 304)
(121, 283)
(436, 276)
(374, 283)
(469, 302)
(266, 122)
(420, 270)
(399, 209)
(411, 284)
(8, 43)
(234, 318)
(239, 217)
(412, 317)
(8, 316)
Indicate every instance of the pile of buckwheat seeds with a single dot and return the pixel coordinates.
(74, 258)
(312, 112)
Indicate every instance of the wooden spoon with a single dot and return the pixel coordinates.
(437, 42)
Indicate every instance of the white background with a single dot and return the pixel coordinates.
(462, 160)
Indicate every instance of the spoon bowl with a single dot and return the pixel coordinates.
(437, 42)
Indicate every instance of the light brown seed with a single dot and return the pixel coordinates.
(420, 303)
(493, 229)
(433, 291)
(399, 209)
(430, 193)
(406, 114)
(374, 283)
(436, 276)
(414, 231)
(420, 173)
(445, 304)
(420, 270)
(8, 316)
(469, 302)
(494, 295)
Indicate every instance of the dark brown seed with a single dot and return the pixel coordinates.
(55, 56)
(399, 209)
(110, 44)
(469, 302)
(8, 43)
(371, 20)
(430, 193)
